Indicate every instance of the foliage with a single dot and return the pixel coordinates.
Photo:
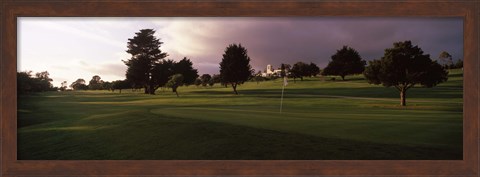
(459, 64)
(174, 82)
(445, 59)
(403, 67)
(215, 79)
(235, 66)
(205, 78)
(313, 70)
(79, 84)
(145, 59)
(197, 82)
(95, 83)
(185, 67)
(120, 84)
(345, 61)
(299, 70)
(40, 83)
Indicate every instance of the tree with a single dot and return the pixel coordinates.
(95, 83)
(24, 82)
(216, 79)
(313, 69)
(197, 82)
(174, 82)
(145, 60)
(235, 66)
(40, 83)
(345, 62)
(107, 85)
(258, 79)
(403, 67)
(205, 78)
(459, 63)
(185, 67)
(120, 84)
(445, 59)
(283, 73)
(64, 86)
(162, 73)
(299, 70)
(79, 84)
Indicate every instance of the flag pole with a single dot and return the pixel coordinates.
(283, 88)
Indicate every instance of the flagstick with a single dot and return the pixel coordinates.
(281, 100)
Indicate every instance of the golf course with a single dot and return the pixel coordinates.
(321, 119)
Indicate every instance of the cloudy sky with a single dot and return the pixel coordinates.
(71, 48)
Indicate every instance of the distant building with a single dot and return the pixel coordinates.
(271, 72)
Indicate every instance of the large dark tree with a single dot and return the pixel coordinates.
(345, 62)
(185, 68)
(403, 67)
(162, 72)
(235, 66)
(299, 70)
(313, 69)
(146, 55)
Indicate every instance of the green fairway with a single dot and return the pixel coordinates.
(321, 119)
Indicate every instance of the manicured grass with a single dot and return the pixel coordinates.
(321, 119)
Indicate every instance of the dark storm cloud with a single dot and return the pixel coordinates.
(288, 40)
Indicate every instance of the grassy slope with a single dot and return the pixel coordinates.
(321, 120)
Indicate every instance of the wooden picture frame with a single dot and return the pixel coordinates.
(10, 10)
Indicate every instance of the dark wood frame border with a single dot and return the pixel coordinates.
(10, 166)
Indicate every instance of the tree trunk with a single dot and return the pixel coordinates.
(174, 89)
(120, 90)
(343, 77)
(146, 89)
(151, 89)
(234, 85)
(402, 97)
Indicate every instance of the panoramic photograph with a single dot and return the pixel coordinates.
(239, 88)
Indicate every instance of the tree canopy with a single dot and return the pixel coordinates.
(345, 61)
(235, 66)
(445, 59)
(146, 57)
(205, 78)
(95, 83)
(403, 67)
(79, 84)
(175, 81)
(300, 70)
(313, 70)
(185, 67)
(39, 83)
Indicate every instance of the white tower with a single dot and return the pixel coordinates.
(269, 69)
